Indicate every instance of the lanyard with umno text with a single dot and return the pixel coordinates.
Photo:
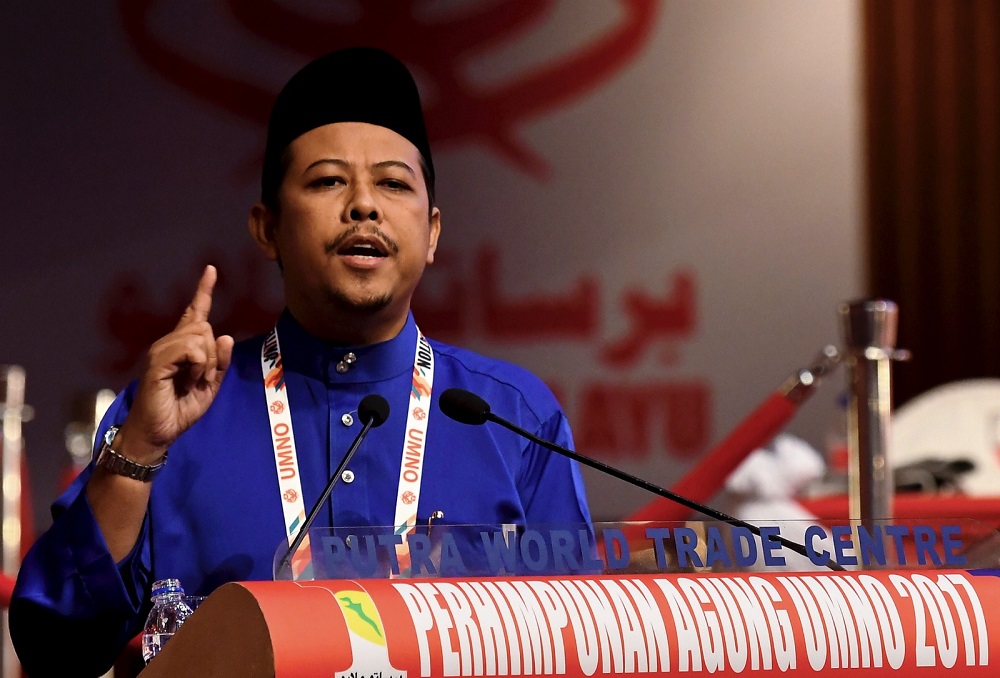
(286, 455)
(411, 469)
(286, 459)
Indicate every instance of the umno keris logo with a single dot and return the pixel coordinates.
(439, 41)
(461, 110)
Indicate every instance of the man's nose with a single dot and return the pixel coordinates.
(362, 206)
(359, 215)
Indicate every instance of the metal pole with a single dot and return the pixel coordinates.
(88, 410)
(869, 330)
(12, 408)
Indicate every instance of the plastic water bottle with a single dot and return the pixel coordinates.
(168, 614)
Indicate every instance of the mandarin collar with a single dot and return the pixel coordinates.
(317, 358)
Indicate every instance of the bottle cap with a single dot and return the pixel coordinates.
(167, 586)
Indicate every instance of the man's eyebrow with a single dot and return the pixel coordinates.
(346, 165)
(331, 161)
(394, 163)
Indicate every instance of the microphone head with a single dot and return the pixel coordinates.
(373, 408)
(464, 407)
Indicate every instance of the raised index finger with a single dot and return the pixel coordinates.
(201, 303)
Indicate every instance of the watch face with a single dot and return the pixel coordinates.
(111, 461)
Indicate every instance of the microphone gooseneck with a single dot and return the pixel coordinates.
(468, 408)
(373, 410)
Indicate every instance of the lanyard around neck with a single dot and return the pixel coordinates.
(286, 455)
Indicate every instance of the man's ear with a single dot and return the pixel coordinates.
(434, 232)
(262, 224)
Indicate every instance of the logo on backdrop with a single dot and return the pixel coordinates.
(465, 298)
(461, 112)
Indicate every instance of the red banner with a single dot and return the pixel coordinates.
(885, 623)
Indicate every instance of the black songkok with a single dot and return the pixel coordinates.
(359, 84)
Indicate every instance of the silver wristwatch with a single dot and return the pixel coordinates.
(109, 460)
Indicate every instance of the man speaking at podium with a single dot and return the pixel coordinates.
(347, 212)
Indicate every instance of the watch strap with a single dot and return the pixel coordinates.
(110, 460)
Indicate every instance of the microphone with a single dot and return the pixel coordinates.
(468, 408)
(373, 410)
(465, 407)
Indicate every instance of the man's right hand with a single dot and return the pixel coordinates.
(182, 374)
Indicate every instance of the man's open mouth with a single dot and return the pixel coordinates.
(363, 247)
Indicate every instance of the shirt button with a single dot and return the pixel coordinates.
(347, 419)
(346, 362)
(347, 476)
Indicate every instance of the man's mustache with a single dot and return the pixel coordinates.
(372, 230)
